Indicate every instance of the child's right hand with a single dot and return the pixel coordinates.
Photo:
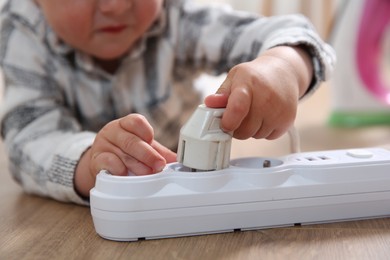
(123, 145)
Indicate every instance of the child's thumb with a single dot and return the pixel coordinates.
(220, 98)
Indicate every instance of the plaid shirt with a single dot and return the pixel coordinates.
(56, 98)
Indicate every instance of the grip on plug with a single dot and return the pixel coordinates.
(202, 144)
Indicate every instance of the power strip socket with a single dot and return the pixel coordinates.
(252, 193)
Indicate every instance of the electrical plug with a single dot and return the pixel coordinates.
(203, 146)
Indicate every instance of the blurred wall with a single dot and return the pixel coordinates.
(320, 12)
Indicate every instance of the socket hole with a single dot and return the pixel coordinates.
(178, 167)
(256, 163)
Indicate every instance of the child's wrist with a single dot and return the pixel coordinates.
(83, 179)
(307, 69)
(299, 63)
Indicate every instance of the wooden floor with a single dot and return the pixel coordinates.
(38, 228)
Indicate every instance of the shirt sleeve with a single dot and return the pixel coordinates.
(43, 139)
(219, 38)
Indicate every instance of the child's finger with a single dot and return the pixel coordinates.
(165, 152)
(130, 145)
(119, 165)
(108, 161)
(226, 85)
(138, 168)
(220, 98)
(216, 100)
(137, 125)
(237, 109)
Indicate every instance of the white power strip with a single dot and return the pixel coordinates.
(253, 193)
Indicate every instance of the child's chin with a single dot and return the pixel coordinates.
(112, 53)
(110, 56)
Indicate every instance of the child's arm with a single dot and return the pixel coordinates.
(261, 96)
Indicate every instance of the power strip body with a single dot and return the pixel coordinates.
(253, 193)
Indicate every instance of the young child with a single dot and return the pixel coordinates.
(107, 84)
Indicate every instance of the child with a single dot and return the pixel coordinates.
(106, 84)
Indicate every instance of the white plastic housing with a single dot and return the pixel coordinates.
(252, 193)
(202, 143)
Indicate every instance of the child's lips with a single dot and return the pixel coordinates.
(114, 29)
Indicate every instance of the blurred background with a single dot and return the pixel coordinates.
(320, 12)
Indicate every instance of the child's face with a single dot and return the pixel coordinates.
(105, 29)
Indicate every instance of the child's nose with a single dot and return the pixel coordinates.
(114, 6)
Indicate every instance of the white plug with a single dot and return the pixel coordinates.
(203, 145)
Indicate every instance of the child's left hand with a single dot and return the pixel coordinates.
(261, 96)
